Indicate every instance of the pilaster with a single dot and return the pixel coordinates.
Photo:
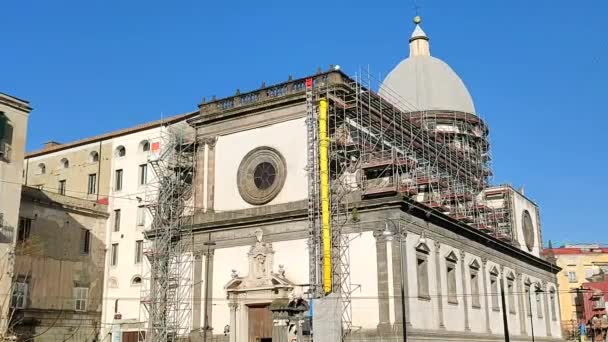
(210, 143)
(197, 291)
(438, 283)
(521, 301)
(484, 271)
(546, 304)
(400, 277)
(465, 298)
(208, 318)
(382, 274)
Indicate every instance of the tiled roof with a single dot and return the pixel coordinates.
(112, 134)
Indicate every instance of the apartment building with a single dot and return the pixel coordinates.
(59, 267)
(111, 169)
(14, 115)
(580, 263)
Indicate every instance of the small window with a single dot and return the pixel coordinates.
(118, 180)
(62, 187)
(422, 270)
(143, 174)
(572, 276)
(117, 214)
(145, 146)
(475, 301)
(136, 280)
(528, 300)
(23, 231)
(141, 216)
(511, 293)
(139, 251)
(539, 301)
(92, 186)
(85, 241)
(41, 169)
(20, 294)
(121, 151)
(114, 255)
(80, 298)
(553, 309)
(93, 157)
(64, 163)
(450, 263)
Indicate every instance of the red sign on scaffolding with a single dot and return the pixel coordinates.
(308, 83)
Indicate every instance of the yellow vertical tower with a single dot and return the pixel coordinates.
(325, 215)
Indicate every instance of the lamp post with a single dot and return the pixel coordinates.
(536, 291)
(388, 234)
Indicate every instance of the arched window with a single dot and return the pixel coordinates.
(121, 151)
(136, 280)
(41, 169)
(64, 163)
(93, 157)
(145, 146)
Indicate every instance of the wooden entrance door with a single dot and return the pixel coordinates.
(260, 323)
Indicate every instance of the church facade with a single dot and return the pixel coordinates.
(252, 231)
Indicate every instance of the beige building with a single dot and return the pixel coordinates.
(578, 264)
(14, 114)
(59, 268)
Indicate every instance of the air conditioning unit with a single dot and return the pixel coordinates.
(5, 151)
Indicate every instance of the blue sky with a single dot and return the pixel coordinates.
(536, 69)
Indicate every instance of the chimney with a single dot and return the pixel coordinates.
(50, 144)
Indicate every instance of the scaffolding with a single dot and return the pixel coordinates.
(381, 146)
(166, 298)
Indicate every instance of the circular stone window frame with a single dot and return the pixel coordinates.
(527, 226)
(245, 175)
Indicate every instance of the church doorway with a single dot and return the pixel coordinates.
(260, 323)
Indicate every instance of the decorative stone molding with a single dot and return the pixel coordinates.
(261, 175)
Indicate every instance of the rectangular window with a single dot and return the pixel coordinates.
(117, 220)
(85, 241)
(495, 292)
(80, 298)
(572, 276)
(141, 215)
(539, 303)
(422, 269)
(139, 251)
(92, 187)
(553, 310)
(511, 294)
(23, 231)
(62, 187)
(114, 255)
(118, 180)
(19, 295)
(451, 279)
(143, 174)
(475, 300)
(528, 302)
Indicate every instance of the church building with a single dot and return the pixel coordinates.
(420, 239)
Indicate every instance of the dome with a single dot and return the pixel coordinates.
(423, 82)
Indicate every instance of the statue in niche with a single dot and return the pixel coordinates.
(260, 266)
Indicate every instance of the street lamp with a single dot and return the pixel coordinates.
(537, 291)
(388, 234)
